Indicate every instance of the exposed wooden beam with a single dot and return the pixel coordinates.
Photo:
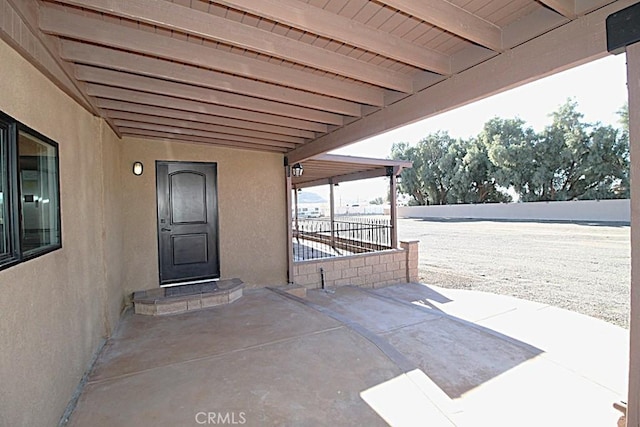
(354, 176)
(212, 96)
(200, 107)
(566, 8)
(573, 43)
(453, 19)
(191, 21)
(318, 21)
(109, 105)
(150, 134)
(207, 127)
(351, 160)
(195, 132)
(153, 67)
(72, 25)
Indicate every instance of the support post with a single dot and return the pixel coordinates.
(287, 173)
(295, 209)
(633, 84)
(332, 214)
(393, 208)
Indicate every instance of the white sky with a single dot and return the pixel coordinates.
(598, 87)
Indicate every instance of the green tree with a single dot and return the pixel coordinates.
(569, 159)
(510, 148)
(377, 201)
(411, 183)
(475, 176)
(577, 160)
(434, 160)
(446, 170)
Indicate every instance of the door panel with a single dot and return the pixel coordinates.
(187, 221)
(188, 197)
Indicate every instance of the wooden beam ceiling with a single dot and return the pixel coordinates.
(299, 77)
(56, 22)
(453, 19)
(162, 69)
(576, 42)
(202, 24)
(318, 21)
(172, 113)
(211, 96)
(134, 96)
(129, 124)
(203, 126)
(170, 136)
(566, 8)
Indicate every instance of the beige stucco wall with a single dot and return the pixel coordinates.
(251, 206)
(55, 310)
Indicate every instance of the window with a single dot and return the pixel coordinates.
(29, 193)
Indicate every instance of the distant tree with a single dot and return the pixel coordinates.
(577, 160)
(474, 179)
(377, 201)
(434, 161)
(569, 159)
(411, 183)
(510, 148)
(446, 170)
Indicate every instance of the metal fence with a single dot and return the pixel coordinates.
(317, 238)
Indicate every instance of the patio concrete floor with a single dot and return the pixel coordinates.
(403, 355)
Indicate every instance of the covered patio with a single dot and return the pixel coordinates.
(407, 355)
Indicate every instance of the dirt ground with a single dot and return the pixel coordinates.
(579, 267)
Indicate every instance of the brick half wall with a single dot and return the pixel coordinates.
(372, 270)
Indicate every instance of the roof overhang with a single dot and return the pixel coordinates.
(328, 169)
(296, 77)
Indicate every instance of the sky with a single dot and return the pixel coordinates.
(599, 88)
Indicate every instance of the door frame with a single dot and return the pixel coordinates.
(215, 225)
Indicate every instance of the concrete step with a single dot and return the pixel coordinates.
(183, 298)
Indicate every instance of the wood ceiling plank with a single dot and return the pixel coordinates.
(453, 19)
(128, 107)
(196, 93)
(202, 24)
(566, 8)
(571, 44)
(200, 107)
(165, 136)
(207, 127)
(99, 32)
(160, 68)
(196, 132)
(330, 25)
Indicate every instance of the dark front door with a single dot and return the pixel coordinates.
(187, 221)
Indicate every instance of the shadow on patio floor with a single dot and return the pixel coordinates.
(390, 356)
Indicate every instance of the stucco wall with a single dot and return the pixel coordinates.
(578, 210)
(251, 207)
(55, 310)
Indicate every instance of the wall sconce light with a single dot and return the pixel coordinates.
(137, 168)
(297, 170)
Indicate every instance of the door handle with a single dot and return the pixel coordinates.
(165, 229)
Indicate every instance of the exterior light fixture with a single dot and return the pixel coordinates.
(137, 168)
(297, 170)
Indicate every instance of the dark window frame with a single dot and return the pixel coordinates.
(12, 206)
